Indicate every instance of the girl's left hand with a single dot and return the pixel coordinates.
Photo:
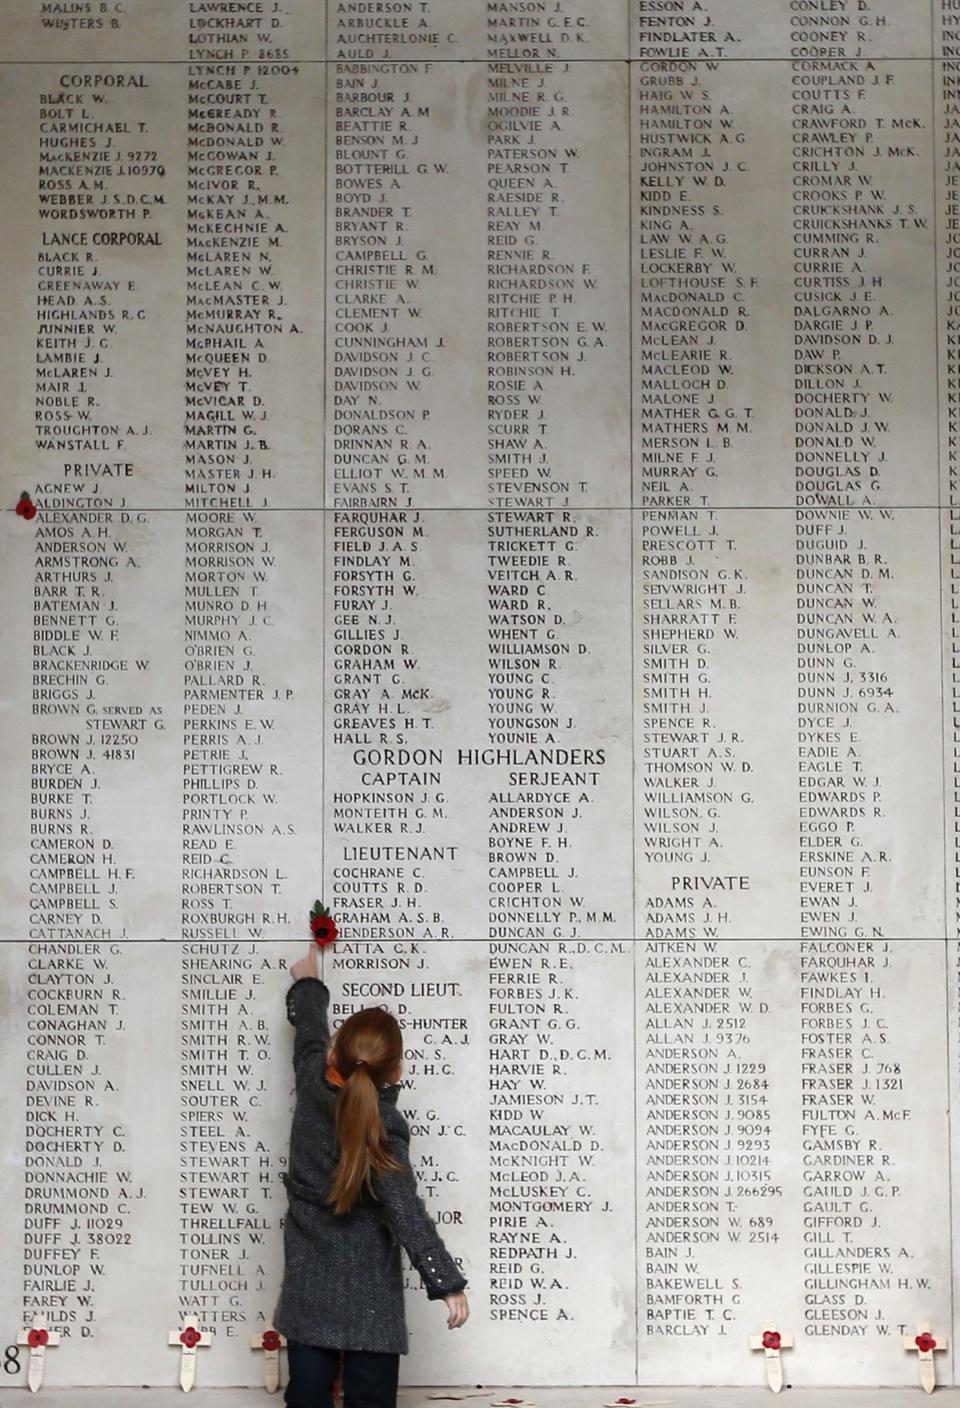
(305, 967)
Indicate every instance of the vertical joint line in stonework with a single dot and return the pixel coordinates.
(950, 947)
(633, 707)
(632, 498)
(946, 771)
(325, 579)
(636, 1182)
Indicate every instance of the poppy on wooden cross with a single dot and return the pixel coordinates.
(189, 1337)
(926, 1345)
(271, 1342)
(771, 1342)
(39, 1338)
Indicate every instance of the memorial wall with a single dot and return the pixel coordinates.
(494, 466)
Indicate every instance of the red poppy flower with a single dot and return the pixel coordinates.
(29, 510)
(324, 929)
(190, 1337)
(624, 1400)
(925, 1341)
(271, 1339)
(771, 1339)
(36, 1338)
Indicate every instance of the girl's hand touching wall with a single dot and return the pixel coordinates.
(305, 967)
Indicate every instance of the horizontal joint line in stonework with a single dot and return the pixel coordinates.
(666, 59)
(619, 939)
(533, 508)
(622, 939)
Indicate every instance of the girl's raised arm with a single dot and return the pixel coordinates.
(308, 1007)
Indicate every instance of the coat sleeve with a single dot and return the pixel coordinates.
(308, 1004)
(407, 1215)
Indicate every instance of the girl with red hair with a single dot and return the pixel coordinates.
(353, 1203)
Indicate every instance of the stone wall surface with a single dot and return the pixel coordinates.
(495, 467)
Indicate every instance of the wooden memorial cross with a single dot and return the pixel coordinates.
(925, 1344)
(188, 1339)
(771, 1342)
(271, 1342)
(38, 1338)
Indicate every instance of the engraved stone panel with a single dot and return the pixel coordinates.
(491, 467)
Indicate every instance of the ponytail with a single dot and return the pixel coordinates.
(368, 1049)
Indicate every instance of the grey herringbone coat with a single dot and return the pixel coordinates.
(343, 1280)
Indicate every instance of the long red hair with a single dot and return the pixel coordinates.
(367, 1050)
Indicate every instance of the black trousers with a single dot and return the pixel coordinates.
(369, 1379)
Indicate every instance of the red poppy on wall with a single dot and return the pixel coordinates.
(771, 1339)
(26, 508)
(190, 1337)
(36, 1338)
(322, 924)
(925, 1341)
(271, 1339)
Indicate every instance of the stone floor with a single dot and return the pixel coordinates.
(542, 1397)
